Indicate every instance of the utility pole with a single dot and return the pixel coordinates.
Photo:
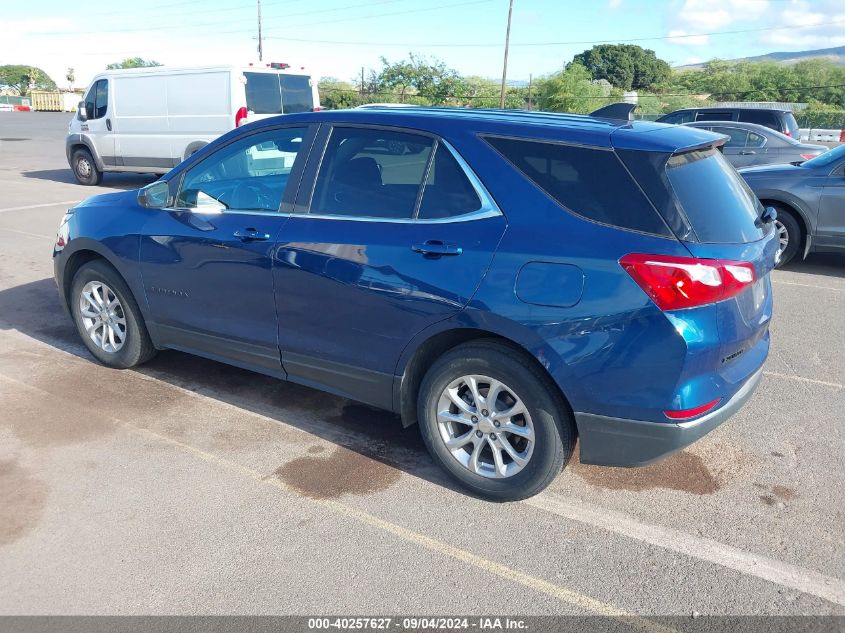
(362, 84)
(505, 65)
(260, 39)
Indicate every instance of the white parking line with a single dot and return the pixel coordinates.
(27, 233)
(784, 574)
(795, 283)
(39, 206)
(835, 385)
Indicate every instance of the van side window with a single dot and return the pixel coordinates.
(714, 116)
(371, 173)
(592, 183)
(248, 175)
(97, 100)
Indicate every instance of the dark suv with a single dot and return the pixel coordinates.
(781, 120)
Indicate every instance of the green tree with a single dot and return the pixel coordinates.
(430, 81)
(133, 62)
(21, 79)
(337, 95)
(625, 66)
(571, 90)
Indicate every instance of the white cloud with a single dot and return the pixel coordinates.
(709, 15)
(614, 4)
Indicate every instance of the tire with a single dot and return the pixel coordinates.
(787, 227)
(99, 279)
(547, 414)
(84, 168)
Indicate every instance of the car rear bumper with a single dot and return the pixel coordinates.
(608, 441)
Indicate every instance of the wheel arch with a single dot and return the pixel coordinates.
(80, 141)
(418, 358)
(800, 216)
(89, 252)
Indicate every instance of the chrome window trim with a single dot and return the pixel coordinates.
(488, 209)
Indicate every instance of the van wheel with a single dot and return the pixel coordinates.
(494, 421)
(84, 168)
(108, 318)
(789, 235)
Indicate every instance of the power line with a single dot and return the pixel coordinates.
(566, 43)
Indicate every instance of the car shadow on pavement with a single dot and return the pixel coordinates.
(34, 309)
(112, 180)
(829, 264)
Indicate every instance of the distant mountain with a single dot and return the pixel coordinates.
(836, 55)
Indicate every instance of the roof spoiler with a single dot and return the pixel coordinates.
(621, 110)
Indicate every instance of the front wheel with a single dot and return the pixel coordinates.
(789, 235)
(85, 169)
(494, 421)
(107, 317)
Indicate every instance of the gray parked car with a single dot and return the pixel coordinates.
(751, 144)
(810, 201)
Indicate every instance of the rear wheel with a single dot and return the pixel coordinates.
(84, 168)
(789, 235)
(107, 317)
(494, 421)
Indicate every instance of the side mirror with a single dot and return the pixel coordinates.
(80, 111)
(769, 215)
(155, 195)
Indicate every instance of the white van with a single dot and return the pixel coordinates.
(151, 119)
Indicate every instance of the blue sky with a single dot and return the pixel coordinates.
(338, 37)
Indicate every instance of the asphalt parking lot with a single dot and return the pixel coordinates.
(191, 487)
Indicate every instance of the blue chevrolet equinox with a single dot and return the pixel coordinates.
(510, 281)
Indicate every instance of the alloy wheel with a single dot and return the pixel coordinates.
(102, 316)
(783, 236)
(485, 426)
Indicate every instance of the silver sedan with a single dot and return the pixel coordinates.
(750, 144)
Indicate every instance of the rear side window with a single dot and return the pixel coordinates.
(448, 192)
(371, 173)
(715, 116)
(592, 183)
(760, 117)
(715, 199)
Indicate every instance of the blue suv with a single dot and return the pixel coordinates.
(509, 281)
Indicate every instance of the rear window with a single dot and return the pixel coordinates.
(715, 199)
(274, 93)
(592, 183)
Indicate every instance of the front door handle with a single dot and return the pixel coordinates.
(436, 248)
(251, 235)
(747, 152)
(108, 124)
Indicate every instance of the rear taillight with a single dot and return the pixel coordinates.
(809, 156)
(675, 283)
(240, 116)
(317, 108)
(788, 133)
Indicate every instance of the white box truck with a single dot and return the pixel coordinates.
(151, 119)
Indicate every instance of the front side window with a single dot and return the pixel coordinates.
(248, 175)
(371, 173)
(97, 100)
(737, 137)
(590, 182)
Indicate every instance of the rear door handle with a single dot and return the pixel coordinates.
(251, 235)
(436, 248)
